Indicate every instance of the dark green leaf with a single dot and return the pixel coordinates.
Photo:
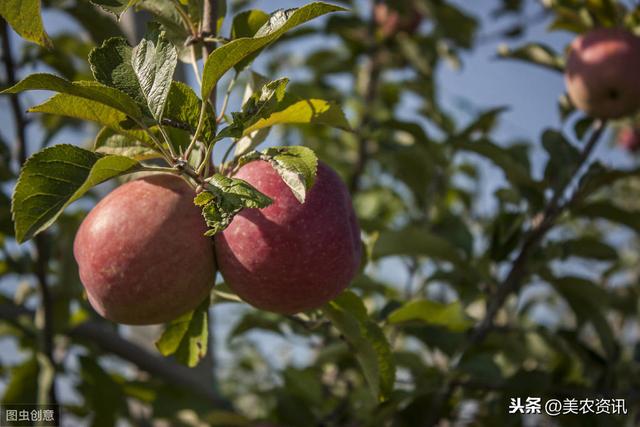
(224, 197)
(451, 316)
(23, 383)
(610, 212)
(143, 72)
(187, 336)
(154, 61)
(230, 54)
(372, 350)
(586, 299)
(183, 111)
(414, 241)
(24, 17)
(261, 320)
(563, 157)
(260, 105)
(56, 176)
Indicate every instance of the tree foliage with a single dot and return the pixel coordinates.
(457, 325)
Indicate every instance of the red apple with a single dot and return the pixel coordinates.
(141, 252)
(602, 73)
(629, 139)
(391, 21)
(291, 256)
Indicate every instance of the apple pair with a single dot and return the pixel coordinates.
(143, 258)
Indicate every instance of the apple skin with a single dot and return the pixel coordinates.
(291, 256)
(629, 139)
(602, 73)
(391, 21)
(141, 252)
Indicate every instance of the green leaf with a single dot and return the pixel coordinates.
(56, 176)
(586, 299)
(515, 172)
(117, 7)
(109, 142)
(228, 55)
(415, 241)
(451, 316)
(187, 336)
(246, 24)
(296, 165)
(63, 104)
(260, 104)
(24, 17)
(365, 338)
(535, 53)
(295, 110)
(583, 247)
(224, 197)
(23, 383)
(563, 157)
(154, 61)
(183, 111)
(610, 212)
(144, 72)
(83, 89)
(262, 320)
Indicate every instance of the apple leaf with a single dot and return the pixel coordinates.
(246, 24)
(144, 72)
(295, 110)
(117, 7)
(109, 142)
(296, 165)
(228, 55)
(224, 197)
(367, 341)
(260, 104)
(94, 91)
(67, 105)
(451, 315)
(56, 176)
(187, 336)
(24, 17)
(291, 109)
(183, 111)
(416, 241)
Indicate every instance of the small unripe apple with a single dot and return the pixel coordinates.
(291, 256)
(629, 138)
(391, 21)
(602, 73)
(141, 252)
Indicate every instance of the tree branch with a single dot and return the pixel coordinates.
(518, 271)
(209, 28)
(41, 260)
(369, 96)
(104, 336)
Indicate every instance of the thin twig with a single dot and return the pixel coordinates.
(194, 64)
(227, 95)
